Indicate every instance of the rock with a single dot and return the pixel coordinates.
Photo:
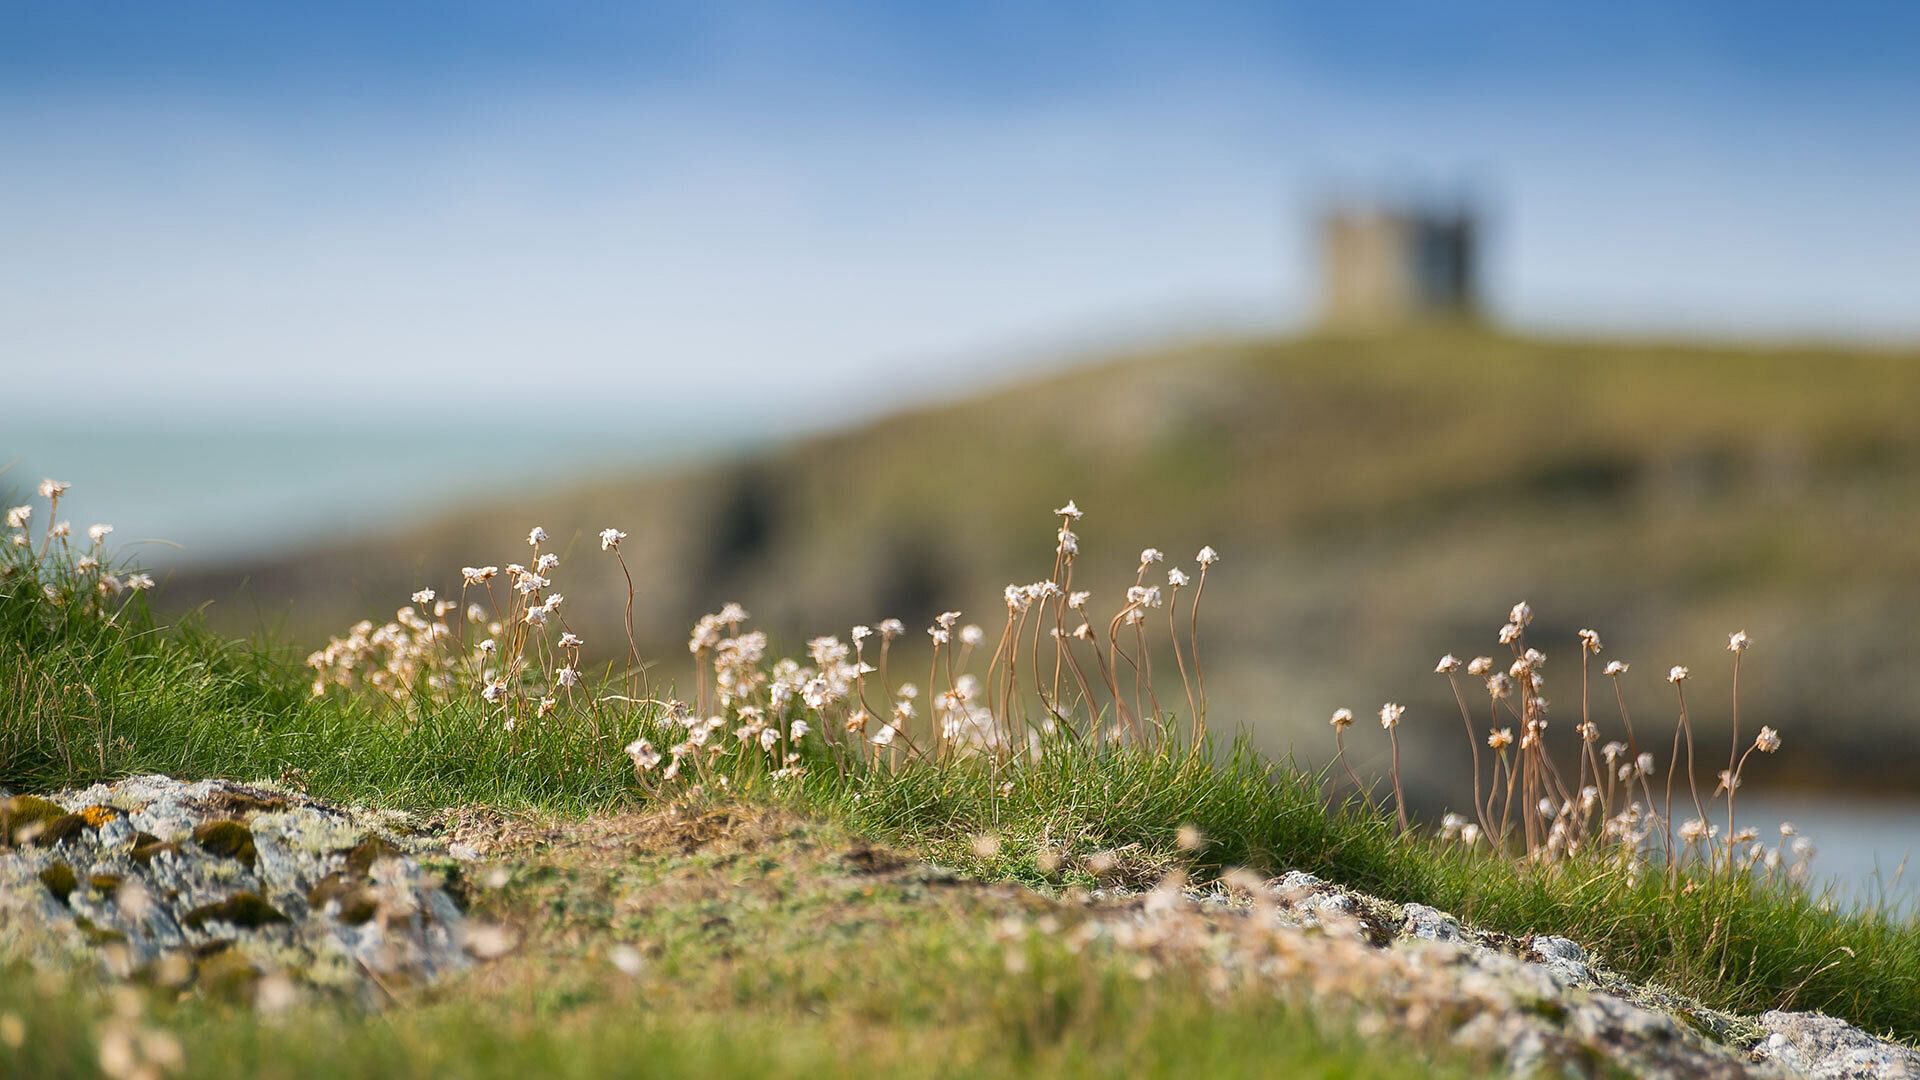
(1823, 1048)
(1564, 959)
(152, 869)
(1431, 924)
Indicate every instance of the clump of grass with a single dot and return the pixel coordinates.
(1053, 763)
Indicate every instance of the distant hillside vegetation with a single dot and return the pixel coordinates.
(1377, 502)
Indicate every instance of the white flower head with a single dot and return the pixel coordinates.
(423, 597)
(545, 563)
(1152, 555)
(1480, 665)
(1390, 715)
(1069, 511)
(53, 489)
(1616, 668)
(884, 737)
(17, 516)
(1678, 674)
(971, 634)
(1207, 557)
(1448, 665)
(478, 575)
(1738, 642)
(1342, 719)
(1590, 640)
(1767, 741)
(139, 582)
(610, 539)
(643, 754)
(98, 533)
(1177, 577)
(1521, 614)
(536, 537)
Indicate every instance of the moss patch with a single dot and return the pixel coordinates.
(360, 860)
(145, 849)
(356, 902)
(27, 814)
(228, 839)
(59, 880)
(243, 909)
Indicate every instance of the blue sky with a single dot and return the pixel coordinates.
(738, 211)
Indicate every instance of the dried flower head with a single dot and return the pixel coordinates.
(53, 489)
(1677, 674)
(1767, 741)
(1738, 641)
(610, 539)
(1207, 557)
(1615, 668)
(1448, 664)
(1500, 738)
(1390, 715)
(536, 536)
(1069, 511)
(98, 533)
(1342, 719)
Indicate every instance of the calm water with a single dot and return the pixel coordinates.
(184, 492)
(1860, 844)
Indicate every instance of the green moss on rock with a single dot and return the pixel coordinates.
(59, 880)
(228, 839)
(356, 901)
(243, 909)
(144, 851)
(367, 852)
(21, 812)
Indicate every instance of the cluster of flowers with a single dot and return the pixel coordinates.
(70, 573)
(845, 695)
(520, 657)
(1056, 668)
(1611, 799)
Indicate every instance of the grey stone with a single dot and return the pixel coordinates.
(1823, 1048)
(390, 921)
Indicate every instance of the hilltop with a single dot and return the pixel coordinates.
(1375, 498)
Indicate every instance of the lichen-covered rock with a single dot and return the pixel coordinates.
(1822, 1048)
(219, 875)
(1542, 1005)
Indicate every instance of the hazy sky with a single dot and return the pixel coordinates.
(743, 209)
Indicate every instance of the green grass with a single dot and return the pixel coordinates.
(83, 701)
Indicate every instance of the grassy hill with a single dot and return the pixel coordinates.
(1378, 501)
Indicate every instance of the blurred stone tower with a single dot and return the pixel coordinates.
(1385, 266)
